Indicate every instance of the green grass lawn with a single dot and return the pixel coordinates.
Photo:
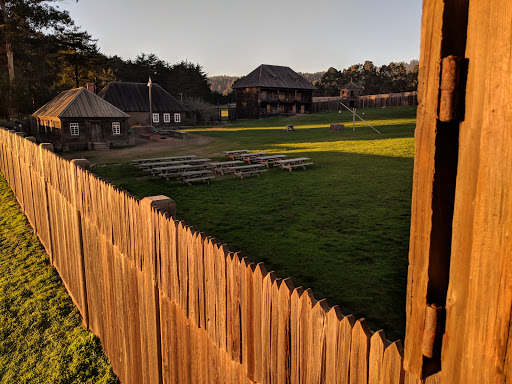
(341, 227)
(41, 336)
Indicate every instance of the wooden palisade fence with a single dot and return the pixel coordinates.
(170, 304)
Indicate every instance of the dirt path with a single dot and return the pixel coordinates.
(193, 144)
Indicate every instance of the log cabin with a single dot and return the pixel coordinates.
(272, 90)
(78, 119)
(133, 98)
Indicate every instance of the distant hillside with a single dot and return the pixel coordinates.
(312, 77)
(221, 84)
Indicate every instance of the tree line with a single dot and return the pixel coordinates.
(43, 52)
(391, 78)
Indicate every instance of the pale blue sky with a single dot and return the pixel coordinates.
(229, 37)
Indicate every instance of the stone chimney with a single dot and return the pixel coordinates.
(90, 87)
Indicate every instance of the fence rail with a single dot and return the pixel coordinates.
(170, 304)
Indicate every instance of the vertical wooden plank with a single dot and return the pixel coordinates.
(199, 250)
(210, 290)
(182, 256)
(295, 335)
(392, 370)
(359, 352)
(306, 307)
(235, 322)
(283, 337)
(344, 347)
(423, 180)
(316, 350)
(220, 254)
(264, 373)
(193, 301)
(475, 349)
(183, 339)
(334, 318)
(378, 344)
(259, 273)
(247, 316)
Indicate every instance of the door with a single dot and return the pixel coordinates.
(95, 131)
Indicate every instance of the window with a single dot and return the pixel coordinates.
(156, 118)
(177, 118)
(73, 129)
(167, 117)
(116, 128)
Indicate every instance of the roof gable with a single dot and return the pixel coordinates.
(274, 76)
(134, 97)
(351, 85)
(78, 102)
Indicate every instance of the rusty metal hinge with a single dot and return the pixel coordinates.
(431, 330)
(449, 109)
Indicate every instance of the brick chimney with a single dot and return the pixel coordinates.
(90, 87)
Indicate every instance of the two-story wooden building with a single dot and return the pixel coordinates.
(78, 119)
(133, 98)
(272, 90)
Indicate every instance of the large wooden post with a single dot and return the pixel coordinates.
(460, 258)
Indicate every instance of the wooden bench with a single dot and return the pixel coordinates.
(190, 180)
(249, 172)
(291, 166)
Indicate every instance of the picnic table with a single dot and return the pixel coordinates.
(251, 156)
(189, 177)
(151, 167)
(235, 153)
(271, 159)
(294, 163)
(159, 159)
(172, 171)
(248, 170)
(225, 166)
(190, 167)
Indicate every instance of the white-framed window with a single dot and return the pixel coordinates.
(116, 128)
(177, 118)
(156, 118)
(73, 129)
(167, 117)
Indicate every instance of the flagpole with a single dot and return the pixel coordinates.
(150, 85)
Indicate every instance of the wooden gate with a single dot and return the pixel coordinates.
(459, 295)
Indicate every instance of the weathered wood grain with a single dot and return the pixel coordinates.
(392, 369)
(423, 180)
(378, 344)
(295, 309)
(334, 317)
(359, 352)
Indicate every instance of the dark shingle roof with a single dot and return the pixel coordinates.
(78, 102)
(274, 76)
(134, 97)
(351, 85)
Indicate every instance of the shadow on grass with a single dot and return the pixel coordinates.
(341, 227)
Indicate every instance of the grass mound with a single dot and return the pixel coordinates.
(42, 339)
